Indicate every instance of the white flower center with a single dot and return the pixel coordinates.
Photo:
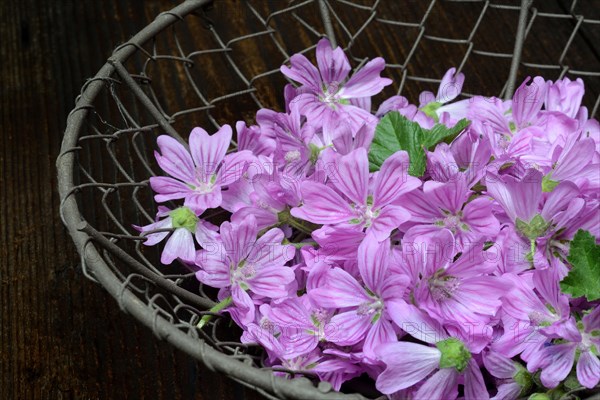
(370, 308)
(292, 155)
(442, 288)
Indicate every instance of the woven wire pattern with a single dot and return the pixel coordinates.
(205, 71)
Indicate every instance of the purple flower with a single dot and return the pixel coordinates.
(297, 147)
(418, 283)
(447, 206)
(513, 379)
(565, 96)
(326, 96)
(354, 203)
(557, 359)
(302, 324)
(408, 364)
(244, 264)
(269, 196)
(529, 319)
(576, 161)
(254, 139)
(467, 156)
(184, 224)
(434, 106)
(454, 290)
(410, 111)
(365, 314)
(199, 174)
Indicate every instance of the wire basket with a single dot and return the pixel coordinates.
(203, 64)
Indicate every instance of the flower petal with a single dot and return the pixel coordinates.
(208, 150)
(390, 217)
(168, 189)
(235, 167)
(347, 328)
(450, 86)
(154, 238)
(350, 175)
(474, 385)
(381, 332)
(559, 363)
(393, 180)
(366, 82)
(415, 322)
(442, 385)
(340, 290)
(174, 159)
(200, 202)
(333, 63)
(499, 365)
(303, 71)
(322, 205)
(179, 245)
(528, 100)
(214, 271)
(373, 259)
(588, 369)
(272, 282)
(238, 239)
(479, 217)
(449, 196)
(519, 198)
(244, 309)
(406, 365)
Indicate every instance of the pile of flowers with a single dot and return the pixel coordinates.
(446, 249)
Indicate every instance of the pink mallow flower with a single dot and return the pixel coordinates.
(512, 378)
(454, 290)
(301, 322)
(326, 95)
(198, 175)
(557, 359)
(244, 264)
(184, 224)
(364, 301)
(447, 205)
(355, 203)
(408, 364)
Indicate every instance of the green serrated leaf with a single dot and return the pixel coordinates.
(584, 277)
(394, 133)
(441, 132)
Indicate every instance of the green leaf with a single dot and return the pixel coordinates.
(548, 184)
(393, 133)
(430, 109)
(441, 132)
(396, 132)
(534, 228)
(584, 277)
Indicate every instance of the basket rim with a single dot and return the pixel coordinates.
(258, 379)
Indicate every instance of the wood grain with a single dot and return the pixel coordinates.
(62, 336)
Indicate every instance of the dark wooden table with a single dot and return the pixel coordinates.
(62, 336)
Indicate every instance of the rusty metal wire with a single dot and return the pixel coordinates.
(163, 81)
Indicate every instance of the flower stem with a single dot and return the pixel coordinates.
(285, 217)
(298, 225)
(226, 302)
(302, 244)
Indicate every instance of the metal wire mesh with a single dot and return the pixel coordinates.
(193, 67)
